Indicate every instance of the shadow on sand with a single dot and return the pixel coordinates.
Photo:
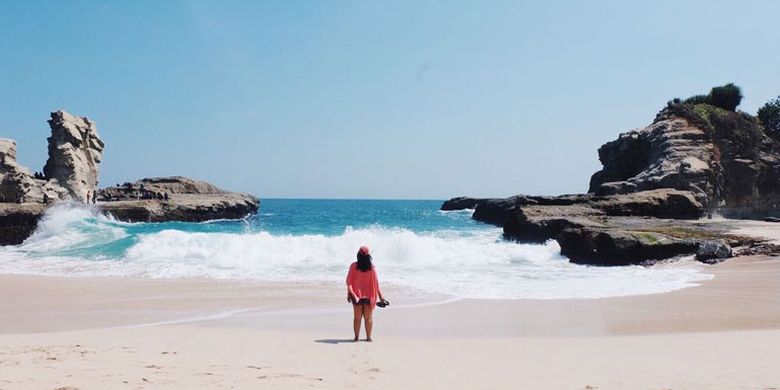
(334, 341)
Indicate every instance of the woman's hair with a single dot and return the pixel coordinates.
(363, 262)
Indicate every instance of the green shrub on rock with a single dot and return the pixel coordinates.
(698, 99)
(736, 133)
(769, 115)
(726, 96)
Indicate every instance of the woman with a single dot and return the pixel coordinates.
(362, 291)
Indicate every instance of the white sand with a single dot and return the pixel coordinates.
(228, 335)
(189, 357)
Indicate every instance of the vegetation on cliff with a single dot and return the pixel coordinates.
(769, 115)
(698, 157)
(727, 97)
(743, 134)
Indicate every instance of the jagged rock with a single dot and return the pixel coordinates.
(19, 185)
(14, 178)
(188, 200)
(620, 247)
(537, 224)
(670, 153)
(722, 157)
(692, 161)
(156, 187)
(609, 230)
(75, 152)
(659, 203)
(18, 221)
(460, 203)
(7, 152)
(496, 210)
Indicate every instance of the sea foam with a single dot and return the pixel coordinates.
(78, 241)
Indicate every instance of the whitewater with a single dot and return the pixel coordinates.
(415, 246)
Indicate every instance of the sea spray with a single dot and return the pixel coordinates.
(414, 245)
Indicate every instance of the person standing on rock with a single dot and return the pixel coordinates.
(363, 291)
(87, 202)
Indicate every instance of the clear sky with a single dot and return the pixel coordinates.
(370, 99)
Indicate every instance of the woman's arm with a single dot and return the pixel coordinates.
(378, 290)
(350, 278)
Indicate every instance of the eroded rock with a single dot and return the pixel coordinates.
(75, 152)
(670, 153)
(689, 163)
(175, 198)
(19, 185)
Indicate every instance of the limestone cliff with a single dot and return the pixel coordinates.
(174, 198)
(19, 185)
(670, 153)
(692, 161)
(75, 152)
(722, 157)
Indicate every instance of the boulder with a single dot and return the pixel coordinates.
(75, 152)
(611, 247)
(713, 251)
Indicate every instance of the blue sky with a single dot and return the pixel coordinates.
(370, 99)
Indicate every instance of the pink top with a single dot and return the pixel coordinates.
(363, 284)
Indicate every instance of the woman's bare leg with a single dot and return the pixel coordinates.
(368, 314)
(358, 312)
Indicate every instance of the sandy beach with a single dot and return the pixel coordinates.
(100, 333)
(552, 195)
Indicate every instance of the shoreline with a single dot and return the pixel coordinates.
(741, 295)
(723, 334)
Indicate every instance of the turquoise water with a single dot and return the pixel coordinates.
(332, 217)
(415, 246)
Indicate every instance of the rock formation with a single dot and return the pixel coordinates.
(19, 185)
(18, 221)
(722, 157)
(670, 153)
(692, 161)
(187, 200)
(75, 151)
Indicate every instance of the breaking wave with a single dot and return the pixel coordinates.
(74, 240)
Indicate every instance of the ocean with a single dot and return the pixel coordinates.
(415, 246)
